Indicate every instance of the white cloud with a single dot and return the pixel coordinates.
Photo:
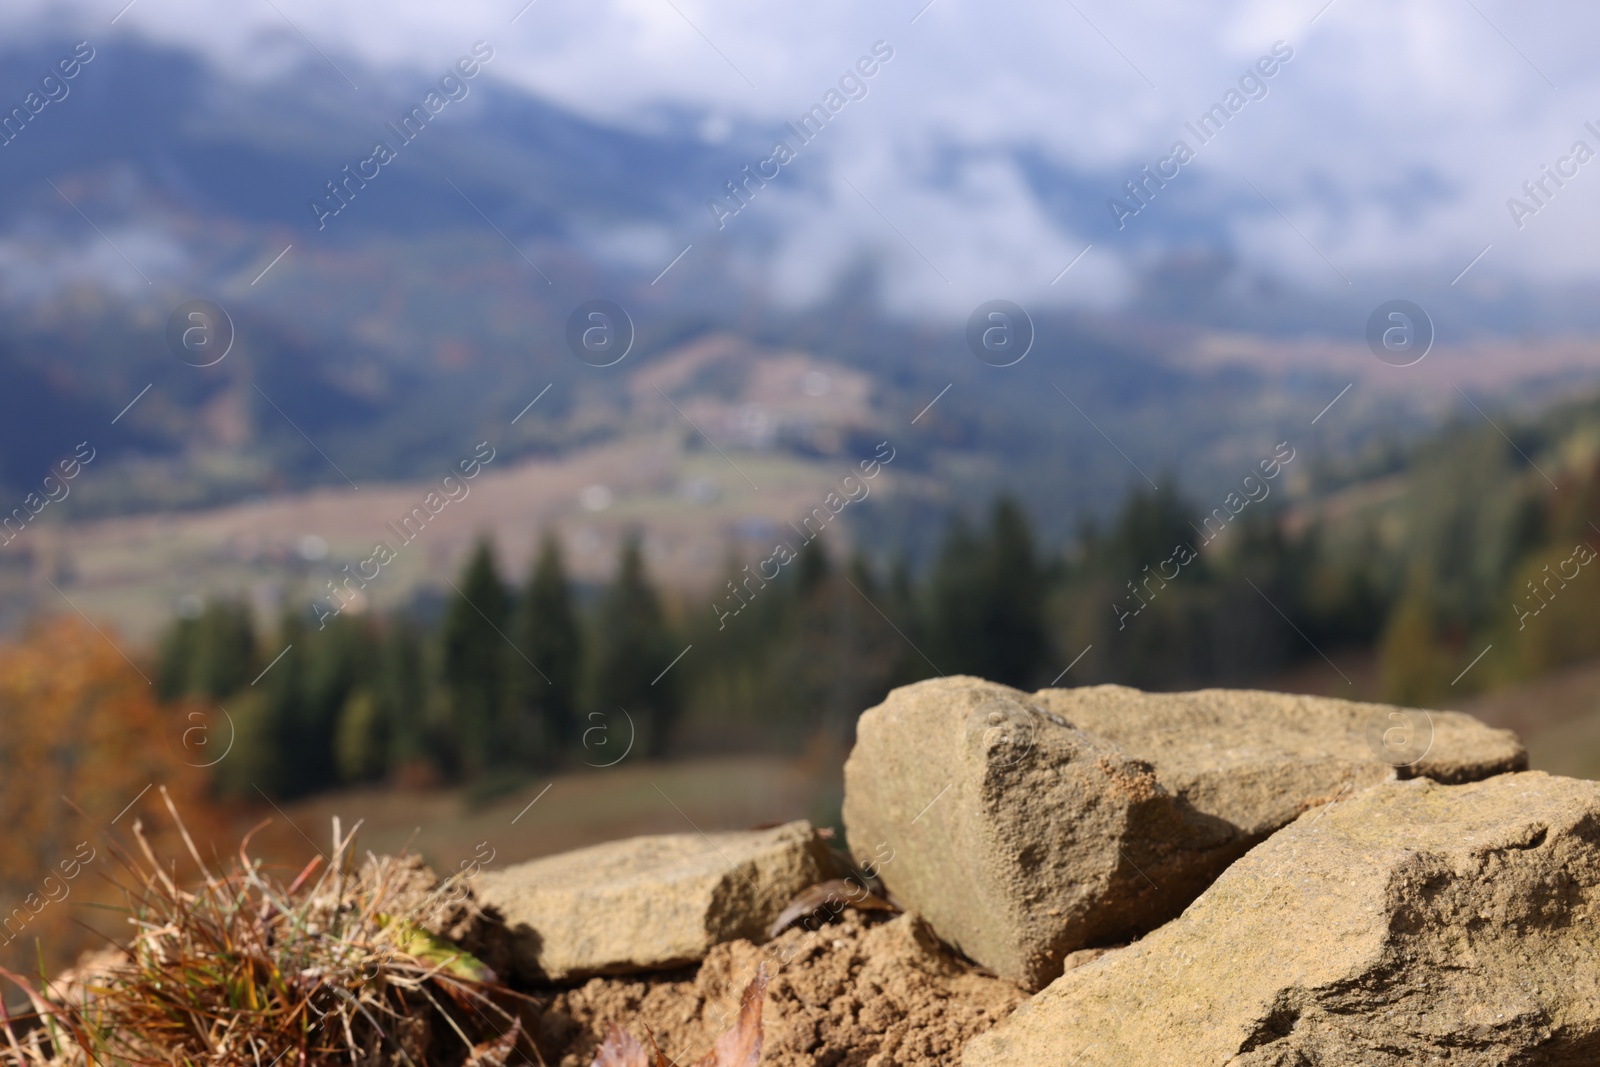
(125, 261)
(1418, 95)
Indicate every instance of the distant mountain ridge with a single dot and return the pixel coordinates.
(434, 306)
(255, 152)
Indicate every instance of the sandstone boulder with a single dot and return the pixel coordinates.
(1027, 827)
(1410, 923)
(649, 902)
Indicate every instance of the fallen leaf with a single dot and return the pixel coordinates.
(661, 1057)
(621, 1049)
(834, 895)
(741, 1046)
(497, 1051)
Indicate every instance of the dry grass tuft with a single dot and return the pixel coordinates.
(340, 966)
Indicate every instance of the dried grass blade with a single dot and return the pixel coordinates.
(306, 872)
(447, 1017)
(362, 1008)
(155, 865)
(11, 1035)
(187, 840)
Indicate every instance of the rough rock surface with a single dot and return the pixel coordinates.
(1027, 827)
(1411, 923)
(649, 902)
(864, 992)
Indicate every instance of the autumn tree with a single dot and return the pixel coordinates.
(86, 747)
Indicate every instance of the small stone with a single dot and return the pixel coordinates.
(648, 903)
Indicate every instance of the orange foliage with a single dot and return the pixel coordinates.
(81, 736)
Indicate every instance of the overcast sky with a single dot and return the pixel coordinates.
(1390, 142)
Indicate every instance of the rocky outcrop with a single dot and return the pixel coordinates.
(649, 902)
(1409, 923)
(1024, 827)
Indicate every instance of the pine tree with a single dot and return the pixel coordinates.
(1149, 526)
(294, 763)
(341, 660)
(987, 600)
(543, 667)
(1146, 626)
(402, 688)
(1411, 662)
(211, 655)
(955, 591)
(1014, 639)
(175, 658)
(634, 649)
(270, 752)
(254, 760)
(224, 649)
(361, 738)
(811, 568)
(864, 648)
(474, 661)
(902, 604)
(805, 663)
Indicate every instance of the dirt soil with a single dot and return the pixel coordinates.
(867, 991)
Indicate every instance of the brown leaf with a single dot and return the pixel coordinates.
(496, 1052)
(661, 1057)
(834, 895)
(741, 1046)
(621, 1049)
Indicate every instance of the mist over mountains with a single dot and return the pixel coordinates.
(433, 306)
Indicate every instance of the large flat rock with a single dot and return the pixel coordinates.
(1255, 757)
(1024, 827)
(649, 902)
(1410, 923)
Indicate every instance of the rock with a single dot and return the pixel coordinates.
(1410, 923)
(1083, 956)
(649, 902)
(1023, 827)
